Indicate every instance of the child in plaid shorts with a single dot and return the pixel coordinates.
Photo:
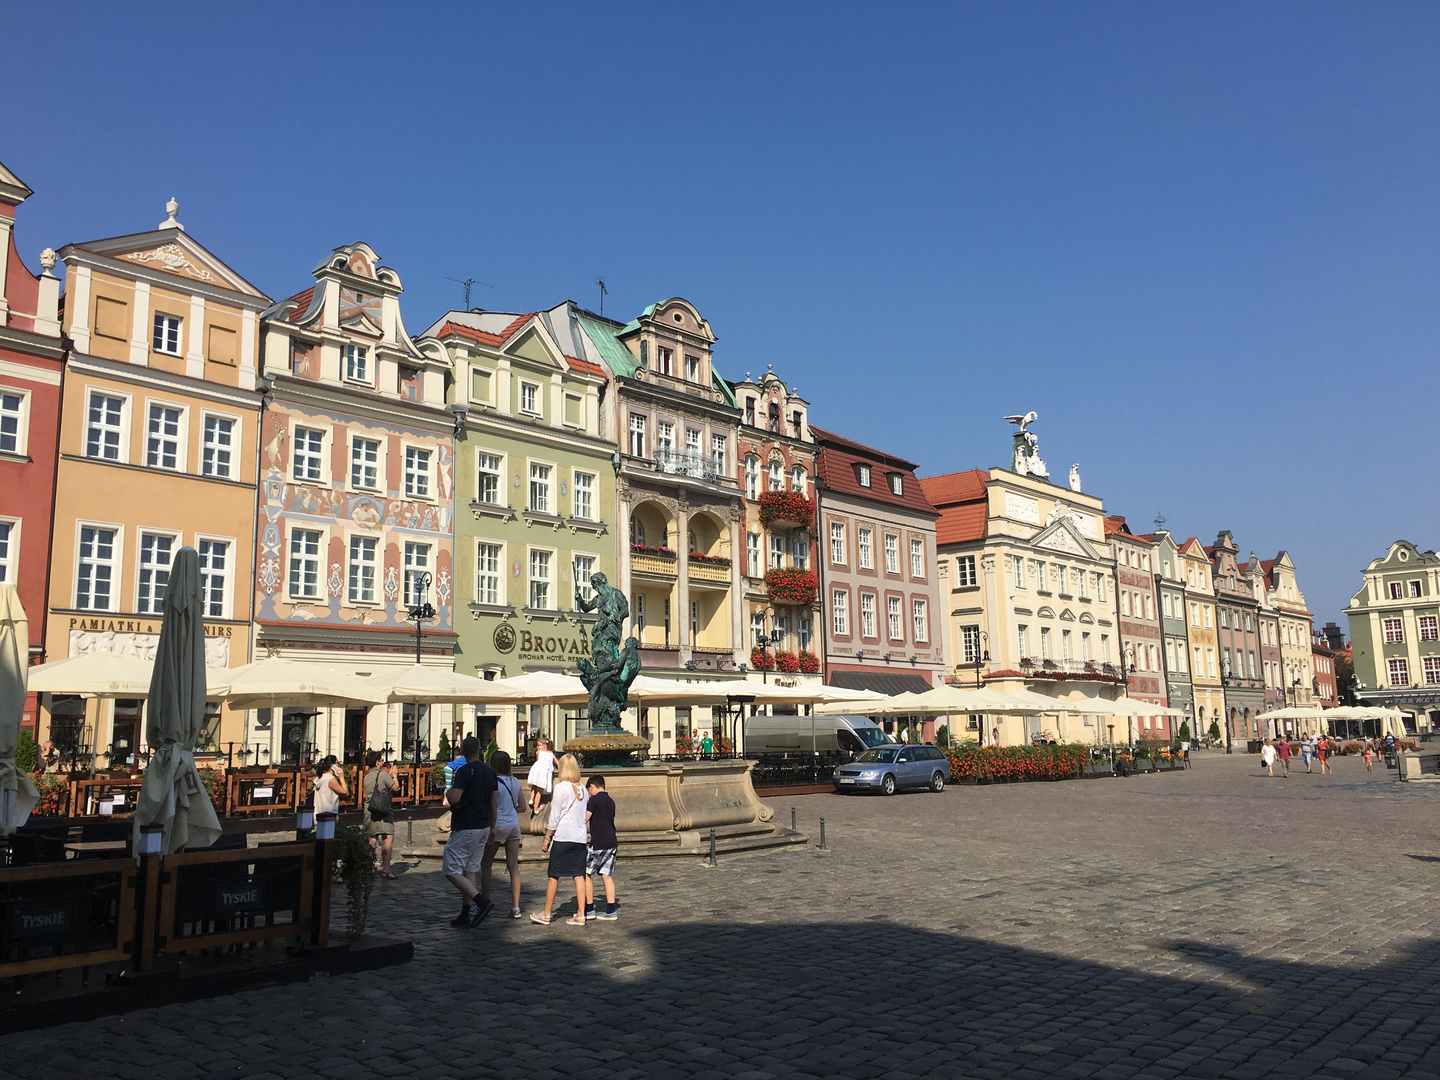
(600, 858)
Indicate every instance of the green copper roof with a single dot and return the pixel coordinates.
(616, 356)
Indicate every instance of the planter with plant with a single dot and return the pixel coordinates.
(355, 869)
(789, 506)
(791, 585)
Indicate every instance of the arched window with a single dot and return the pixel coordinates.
(777, 475)
(797, 479)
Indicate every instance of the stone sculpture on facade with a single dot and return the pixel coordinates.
(1075, 477)
(1025, 456)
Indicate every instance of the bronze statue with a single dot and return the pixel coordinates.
(608, 673)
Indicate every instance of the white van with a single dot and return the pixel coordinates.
(810, 734)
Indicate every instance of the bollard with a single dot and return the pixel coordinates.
(712, 845)
(792, 819)
(822, 834)
(410, 828)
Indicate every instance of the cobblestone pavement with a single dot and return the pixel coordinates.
(1209, 923)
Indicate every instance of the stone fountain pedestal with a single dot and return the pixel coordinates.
(606, 750)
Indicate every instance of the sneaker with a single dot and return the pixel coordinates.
(477, 914)
(515, 913)
(607, 916)
(461, 920)
(589, 913)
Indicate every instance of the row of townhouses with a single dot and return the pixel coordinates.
(339, 475)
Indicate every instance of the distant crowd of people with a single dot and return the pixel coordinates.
(1317, 750)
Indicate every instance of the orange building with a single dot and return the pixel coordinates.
(158, 427)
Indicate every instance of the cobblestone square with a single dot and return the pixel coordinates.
(1212, 923)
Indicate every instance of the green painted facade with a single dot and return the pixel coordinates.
(534, 494)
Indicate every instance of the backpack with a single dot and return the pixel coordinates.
(381, 803)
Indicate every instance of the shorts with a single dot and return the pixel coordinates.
(601, 861)
(383, 825)
(464, 852)
(566, 860)
(502, 834)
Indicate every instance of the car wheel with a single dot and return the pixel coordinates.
(887, 786)
(937, 782)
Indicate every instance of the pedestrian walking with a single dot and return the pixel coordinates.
(329, 785)
(1267, 758)
(600, 858)
(1307, 749)
(507, 832)
(542, 774)
(565, 840)
(707, 745)
(1322, 751)
(377, 819)
(473, 806)
(1282, 754)
(1367, 755)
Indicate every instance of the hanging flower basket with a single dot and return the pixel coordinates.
(791, 585)
(809, 663)
(787, 663)
(786, 506)
(762, 661)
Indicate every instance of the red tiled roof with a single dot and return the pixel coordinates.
(302, 301)
(956, 487)
(585, 366)
(484, 337)
(960, 498)
(835, 469)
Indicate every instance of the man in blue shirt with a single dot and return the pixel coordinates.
(474, 805)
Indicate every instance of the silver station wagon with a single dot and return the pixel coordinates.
(887, 769)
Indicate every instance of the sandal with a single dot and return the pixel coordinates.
(390, 875)
(575, 920)
(543, 920)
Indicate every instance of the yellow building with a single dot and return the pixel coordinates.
(158, 425)
(1204, 644)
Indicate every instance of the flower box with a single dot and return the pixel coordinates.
(791, 585)
(789, 506)
(653, 549)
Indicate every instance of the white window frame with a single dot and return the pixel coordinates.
(1431, 667)
(115, 562)
(21, 415)
(236, 427)
(1017, 568)
(840, 612)
(752, 477)
(1428, 627)
(546, 486)
(638, 435)
(719, 453)
(168, 324)
(1394, 631)
(535, 408)
(970, 644)
(868, 628)
(548, 580)
(499, 575)
(921, 612)
(692, 368)
(582, 574)
(776, 558)
(319, 457)
(322, 551)
(498, 472)
(862, 475)
(754, 559)
(226, 575)
(409, 475)
(1401, 665)
(966, 575)
(10, 555)
(917, 559)
(775, 481)
(798, 480)
(411, 570)
(349, 353)
(378, 465)
(592, 483)
(837, 543)
(895, 618)
(354, 582)
(897, 485)
(182, 433)
(140, 535)
(864, 547)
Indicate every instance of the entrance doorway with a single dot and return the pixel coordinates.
(355, 745)
(297, 736)
(125, 732)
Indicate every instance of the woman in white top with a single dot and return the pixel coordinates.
(1267, 757)
(567, 829)
(329, 785)
(506, 832)
(541, 775)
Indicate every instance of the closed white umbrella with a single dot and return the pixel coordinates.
(172, 794)
(271, 682)
(17, 794)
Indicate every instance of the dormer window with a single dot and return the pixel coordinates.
(862, 475)
(644, 353)
(664, 360)
(795, 423)
(897, 484)
(357, 363)
(774, 417)
(749, 412)
(692, 369)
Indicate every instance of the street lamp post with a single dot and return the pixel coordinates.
(767, 639)
(421, 612)
(1224, 685)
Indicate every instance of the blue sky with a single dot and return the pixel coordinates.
(1200, 240)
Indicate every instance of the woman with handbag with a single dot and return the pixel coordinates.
(566, 828)
(378, 819)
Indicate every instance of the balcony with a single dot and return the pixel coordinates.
(1062, 670)
(709, 568)
(695, 465)
(645, 559)
(790, 585)
(786, 508)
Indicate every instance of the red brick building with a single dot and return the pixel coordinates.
(1327, 692)
(30, 368)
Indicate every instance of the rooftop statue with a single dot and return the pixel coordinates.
(1025, 455)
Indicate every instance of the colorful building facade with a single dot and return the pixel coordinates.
(1170, 594)
(1137, 613)
(1204, 645)
(1395, 635)
(30, 372)
(357, 472)
(158, 429)
(1237, 617)
(1283, 596)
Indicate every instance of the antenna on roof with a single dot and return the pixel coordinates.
(467, 283)
(1159, 521)
(603, 293)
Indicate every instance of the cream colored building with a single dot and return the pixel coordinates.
(1282, 593)
(1204, 643)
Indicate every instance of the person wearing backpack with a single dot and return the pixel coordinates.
(378, 819)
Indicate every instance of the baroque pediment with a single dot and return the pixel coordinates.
(174, 259)
(1062, 537)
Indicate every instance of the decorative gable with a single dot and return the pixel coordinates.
(1062, 537)
(173, 259)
